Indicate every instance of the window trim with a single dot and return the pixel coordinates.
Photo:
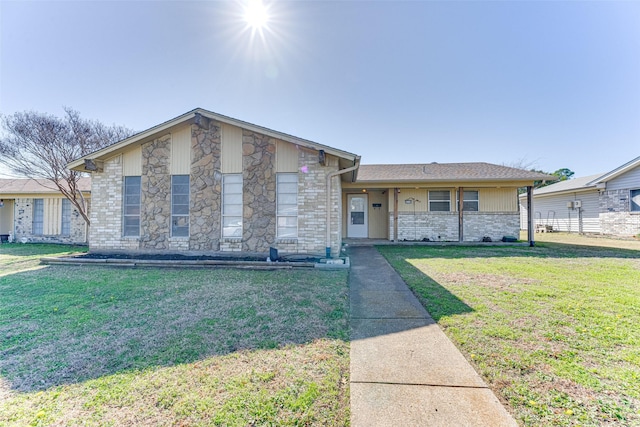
(176, 217)
(281, 215)
(124, 205)
(223, 215)
(448, 200)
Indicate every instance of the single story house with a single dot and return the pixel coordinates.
(34, 210)
(606, 203)
(207, 182)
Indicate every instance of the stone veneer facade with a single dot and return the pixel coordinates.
(259, 199)
(443, 226)
(23, 220)
(259, 193)
(206, 189)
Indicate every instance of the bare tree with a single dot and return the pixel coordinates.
(40, 145)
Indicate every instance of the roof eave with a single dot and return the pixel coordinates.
(617, 171)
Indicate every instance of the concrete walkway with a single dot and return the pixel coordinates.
(404, 370)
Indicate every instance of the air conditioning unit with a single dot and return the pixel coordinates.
(577, 204)
(569, 205)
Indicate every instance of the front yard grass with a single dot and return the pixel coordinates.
(552, 329)
(105, 346)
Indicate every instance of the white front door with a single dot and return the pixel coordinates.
(357, 226)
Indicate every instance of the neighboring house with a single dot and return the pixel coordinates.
(33, 210)
(207, 182)
(606, 203)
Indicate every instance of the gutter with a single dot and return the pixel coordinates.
(329, 176)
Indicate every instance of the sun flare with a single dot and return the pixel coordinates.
(255, 13)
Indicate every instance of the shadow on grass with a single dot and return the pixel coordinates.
(440, 302)
(540, 250)
(374, 275)
(68, 324)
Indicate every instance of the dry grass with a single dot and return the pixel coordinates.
(102, 346)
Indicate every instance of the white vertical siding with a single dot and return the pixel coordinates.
(231, 149)
(286, 157)
(552, 210)
(132, 162)
(52, 216)
(629, 180)
(181, 151)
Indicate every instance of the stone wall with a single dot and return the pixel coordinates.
(155, 209)
(259, 192)
(614, 201)
(443, 226)
(206, 188)
(495, 225)
(620, 223)
(435, 226)
(23, 217)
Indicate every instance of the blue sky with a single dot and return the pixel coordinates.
(553, 83)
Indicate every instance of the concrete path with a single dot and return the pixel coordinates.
(404, 370)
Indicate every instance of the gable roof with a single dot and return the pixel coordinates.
(616, 172)
(446, 172)
(194, 116)
(569, 185)
(37, 186)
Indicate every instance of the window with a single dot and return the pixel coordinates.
(232, 205)
(180, 205)
(439, 201)
(470, 201)
(287, 209)
(635, 201)
(131, 206)
(38, 217)
(65, 226)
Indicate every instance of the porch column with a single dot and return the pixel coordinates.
(395, 214)
(530, 215)
(460, 215)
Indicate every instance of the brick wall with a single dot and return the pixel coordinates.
(620, 223)
(443, 226)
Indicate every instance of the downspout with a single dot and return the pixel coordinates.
(329, 176)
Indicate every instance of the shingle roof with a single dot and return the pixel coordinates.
(446, 172)
(34, 186)
(581, 183)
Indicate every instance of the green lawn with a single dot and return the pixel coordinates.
(107, 346)
(554, 330)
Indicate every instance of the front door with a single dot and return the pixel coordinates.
(357, 226)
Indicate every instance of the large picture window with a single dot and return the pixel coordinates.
(470, 201)
(440, 201)
(131, 207)
(287, 209)
(65, 226)
(232, 205)
(180, 205)
(635, 200)
(38, 217)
